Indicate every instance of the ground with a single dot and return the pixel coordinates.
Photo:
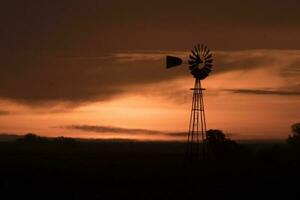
(142, 170)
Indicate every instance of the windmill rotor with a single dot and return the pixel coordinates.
(200, 61)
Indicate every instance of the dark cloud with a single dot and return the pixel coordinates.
(265, 92)
(111, 129)
(293, 70)
(61, 51)
(75, 82)
(3, 112)
(120, 131)
(176, 134)
(89, 27)
(72, 81)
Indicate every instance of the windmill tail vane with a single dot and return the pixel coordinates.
(172, 61)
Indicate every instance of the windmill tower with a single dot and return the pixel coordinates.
(200, 65)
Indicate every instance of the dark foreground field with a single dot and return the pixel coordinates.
(137, 170)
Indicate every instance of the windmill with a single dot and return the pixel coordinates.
(200, 64)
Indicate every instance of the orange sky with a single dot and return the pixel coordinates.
(96, 68)
(165, 105)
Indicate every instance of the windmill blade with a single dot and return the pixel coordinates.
(208, 70)
(193, 62)
(208, 65)
(208, 56)
(209, 61)
(206, 52)
(201, 47)
(194, 53)
(203, 73)
(172, 61)
(193, 57)
(193, 66)
(196, 50)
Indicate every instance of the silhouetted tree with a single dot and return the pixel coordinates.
(222, 147)
(215, 136)
(294, 138)
(65, 141)
(32, 138)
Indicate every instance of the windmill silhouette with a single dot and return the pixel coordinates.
(200, 65)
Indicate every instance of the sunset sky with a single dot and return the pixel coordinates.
(96, 69)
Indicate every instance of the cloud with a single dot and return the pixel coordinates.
(89, 27)
(111, 129)
(3, 112)
(91, 51)
(176, 134)
(121, 131)
(264, 92)
(49, 81)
